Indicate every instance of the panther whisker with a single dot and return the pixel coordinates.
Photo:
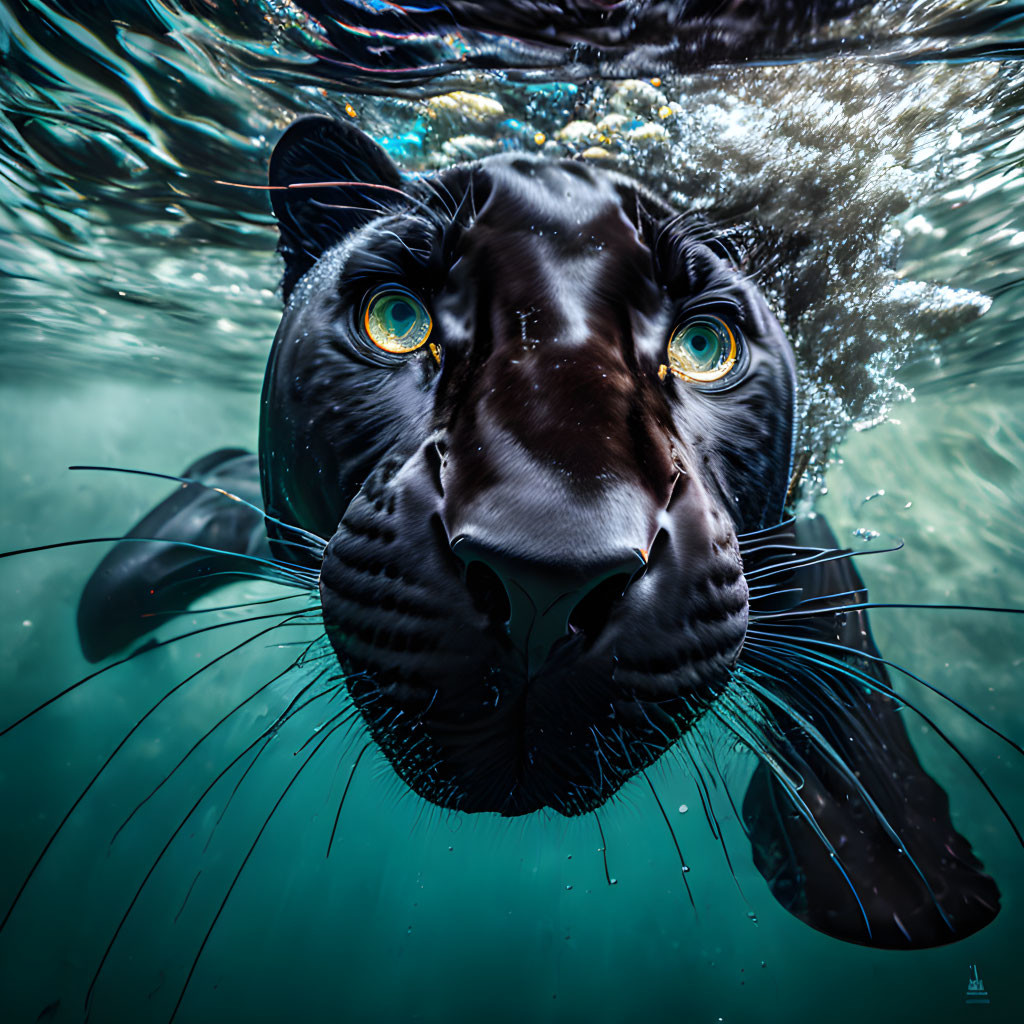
(757, 616)
(789, 548)
(202, 739)
(327, 723)
(704, 790)
(910, 675)
(293, 708)
(838, 762)
(131, 732)
(376, 186)
(863, 606)
(763, 648)
(344, 793)
(192, 481)
(640, 704)
(171, 613)
(785, 523)
(604, 851)
(751, 740)
(318, 204)
(240, 574)
(297, 576)
(598, 753)
(776, 569)
(417, 254)
(241, 868)
(145, 649)
(435, 186)
(184, 902)
(683, 868)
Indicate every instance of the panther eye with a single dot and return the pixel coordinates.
(702, 350)
(396, 321)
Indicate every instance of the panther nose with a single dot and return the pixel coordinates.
(540, 603)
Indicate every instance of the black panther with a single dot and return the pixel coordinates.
(530, 429)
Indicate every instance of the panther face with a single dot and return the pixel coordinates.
(532, 407)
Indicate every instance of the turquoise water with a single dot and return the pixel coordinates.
(137, 307)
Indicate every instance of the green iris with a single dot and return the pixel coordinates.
(396, 321)
(702, 350)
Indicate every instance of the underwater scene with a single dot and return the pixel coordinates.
(495, 644)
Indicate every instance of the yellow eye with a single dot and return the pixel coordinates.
(396, 321)
(702, 350)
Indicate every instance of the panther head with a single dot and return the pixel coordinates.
(533, 407)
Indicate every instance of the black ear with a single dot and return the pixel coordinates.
(320, 149)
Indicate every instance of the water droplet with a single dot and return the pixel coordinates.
(568, 888)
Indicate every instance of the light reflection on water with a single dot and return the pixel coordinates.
(137, 302)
